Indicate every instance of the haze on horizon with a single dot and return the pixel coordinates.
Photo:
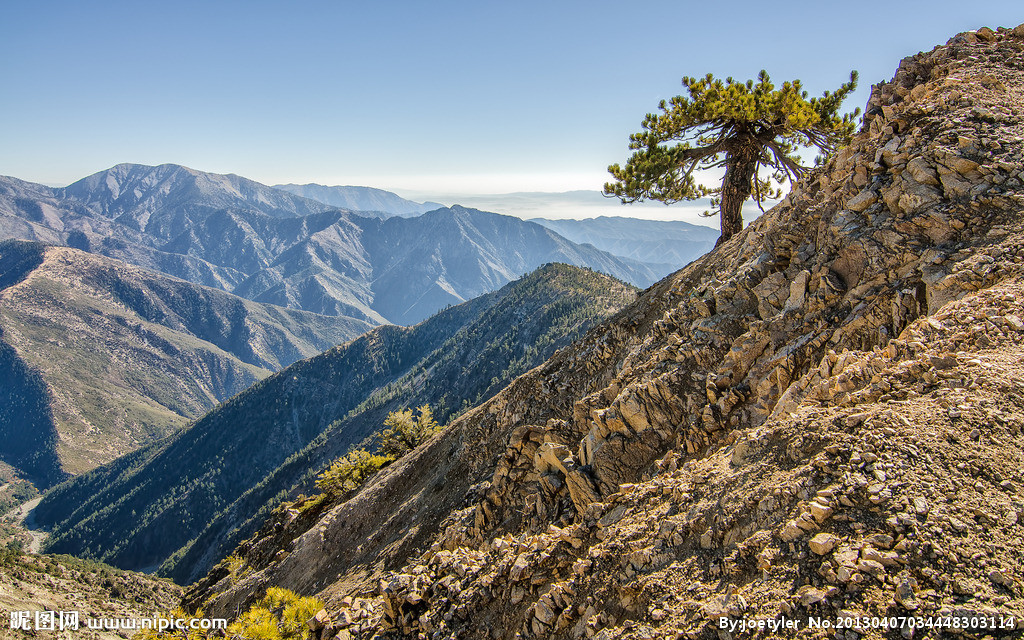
(425, 99)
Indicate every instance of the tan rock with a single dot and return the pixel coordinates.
(823, 543)
(809, 595)
(820, 512)
(544, 612)
(549, 458)
(871, 567)
(846, 557)
(320, 620)
(862, 201)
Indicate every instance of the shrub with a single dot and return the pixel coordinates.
(405, 431)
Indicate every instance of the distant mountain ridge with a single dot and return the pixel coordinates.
(673, 243)
(131, 192)
(361, 199)
(269, 245)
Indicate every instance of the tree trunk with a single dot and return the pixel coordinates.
(739, 171)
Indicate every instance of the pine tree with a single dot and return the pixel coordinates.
(743, 127)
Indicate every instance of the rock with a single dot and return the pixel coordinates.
(905, 595)
(544, 612)
(958, 525)
(920, 506)
(806, 522)
(942, 362)
(823, 543)
(880, 540)
(962, 586)
(320, 620)
(809, 595)
(846, 557)
(999, 578)
(612, 516)
(884, 558)
(922, 172)
(581, 490)
(871, 567)
(520, 568)
(797, 291)
(862, 200)
(820, 512)
(549, 458)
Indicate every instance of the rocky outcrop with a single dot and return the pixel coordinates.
(818, 418)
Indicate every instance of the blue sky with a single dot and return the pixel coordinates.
(421, 97)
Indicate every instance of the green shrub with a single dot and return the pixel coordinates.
(405, 431)
(348, 472)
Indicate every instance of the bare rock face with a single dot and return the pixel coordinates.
(824, 416)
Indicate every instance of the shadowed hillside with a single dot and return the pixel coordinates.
(100, 357)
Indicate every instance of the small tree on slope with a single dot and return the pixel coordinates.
(743, 127)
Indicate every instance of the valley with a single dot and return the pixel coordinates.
(218, 478)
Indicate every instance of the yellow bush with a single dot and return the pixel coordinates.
(280, 615)
(350, 471)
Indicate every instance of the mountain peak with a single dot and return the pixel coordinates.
(135, 194)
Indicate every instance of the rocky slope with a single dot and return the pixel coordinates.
(98, 357)
(268, 245)
(61, 583)
(822, 417)
(209, 486)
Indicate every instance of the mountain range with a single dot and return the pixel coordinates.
(197, 494)
(267, 245)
